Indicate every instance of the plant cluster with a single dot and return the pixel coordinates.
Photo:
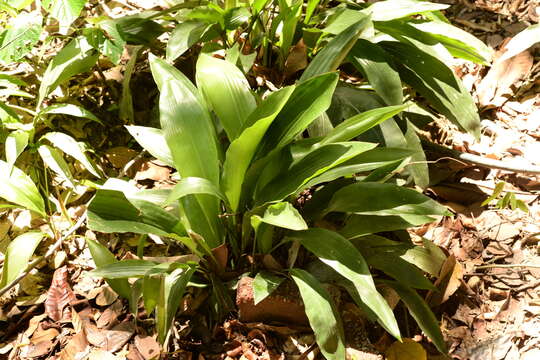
(247, 136)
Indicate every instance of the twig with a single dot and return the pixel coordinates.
(49, 253)
(479, 160)
(528, 286)
(506, 266)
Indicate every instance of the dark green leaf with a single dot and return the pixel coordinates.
(264, 284)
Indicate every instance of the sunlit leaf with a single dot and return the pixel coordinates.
(322, 314)
(152, 140)
(69, 109)
(264, 284)
(18, 254)
(16, 142)
(18, 188)
(55, 161)
(21, 35)
(284, 215)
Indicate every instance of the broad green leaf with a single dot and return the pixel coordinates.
(18, 254)
(386, 256)
(396, 9)
(69, 109)
(73, 148)
(437, 83)
(322, 315)
(315, 163)
(152, 140)
(429, 257)
(190, 135)
(421, 312)
(383, 199)
(186, 123)
(360, 225)
(127, 113)
(342, 19)
(338, 253)
(124, 269)
(55, 161)
(102, 257)
(76, 57)
(66, 11)
(184, 36)
(522, 41)
(110, 211)
(191, 186)
(357, 125)
(375, 64)
(331, 56)
(18, 188)
(457, 42)
(308, 101)
(227, 91)
(171, 293)
(16, 142)
(368, 161)
(284, 215)
(264, 284)
(21, 35)
(286, 23)
(133, 29)
(241, 151)
(258, 5)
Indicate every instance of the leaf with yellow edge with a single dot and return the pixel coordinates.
(406, 350)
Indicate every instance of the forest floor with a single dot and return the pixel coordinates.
(490, 306)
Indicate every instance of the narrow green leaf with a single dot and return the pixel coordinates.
(264, 284)
(241, 151)
(310, 9)
(360, 225)
(18, 188)
(396, 9)
(338, 253)
(322, 314)
(124, 269)
(284, 215)
(102, 257)
(191, 186)
(315, 163)
(69, 109)
(383, 199)
(16, 142)
(375, 64)
(18, 254)
(152, 140)
(73, 148)
(421, 312)
(127, 113)
(227, 91)
(171, 294)
(437, 83)
(184, 36)
(76, 57)
(357, 125)
(331, 56)
(54, 160)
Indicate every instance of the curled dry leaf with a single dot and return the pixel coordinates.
(59, 295)
(110, 340)
(501, 76)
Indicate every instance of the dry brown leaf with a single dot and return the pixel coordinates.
(120, 156)
(42, 342)
(501, 76)
(297, 59)
(148, 347)
(447, 283)
(110, 340)
(151, 171)
(106, 296)
(59, 295)
(98, 354)
(75, 348)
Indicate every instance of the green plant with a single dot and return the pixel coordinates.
(508, 200)
(244, 198)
